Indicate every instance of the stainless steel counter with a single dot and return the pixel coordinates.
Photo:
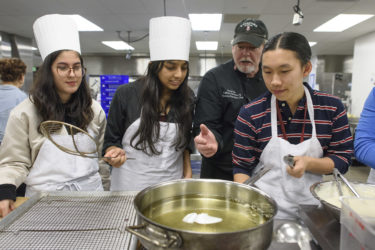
(323, 226)
(85, 220)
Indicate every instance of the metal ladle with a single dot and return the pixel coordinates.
(292, 232)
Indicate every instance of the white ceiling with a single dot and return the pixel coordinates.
(17, 17)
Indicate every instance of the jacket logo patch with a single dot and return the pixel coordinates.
(228, 93)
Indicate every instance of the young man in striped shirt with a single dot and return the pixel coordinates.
(291, 118)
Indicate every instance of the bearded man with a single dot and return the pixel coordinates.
(222, 92)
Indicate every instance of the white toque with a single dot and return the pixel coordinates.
(169, 38)
(56, 32)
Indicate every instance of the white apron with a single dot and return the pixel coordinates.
(287, 190)
(145, 170)
(371, 176)
(55, 170)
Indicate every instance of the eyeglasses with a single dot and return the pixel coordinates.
(64, 70)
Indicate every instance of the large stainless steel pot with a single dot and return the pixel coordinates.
(158, 236)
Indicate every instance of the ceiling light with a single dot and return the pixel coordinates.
(26, 47)
(85, 25)
(212, 45)
(118, 45)
(312, 43)
(205, 22)
(342, 22)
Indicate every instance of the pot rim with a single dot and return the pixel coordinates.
(144, 191)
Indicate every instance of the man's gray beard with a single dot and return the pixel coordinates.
(246, 69)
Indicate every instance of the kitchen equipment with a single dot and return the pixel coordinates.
(337, 173)
(257, 176)
(292, 232)
(81, 143)
(212, 196)
(338, 183)
(289, 160)
(324, 228)
(70, 220)
(330, 187)
(357, 223)
(332, 209)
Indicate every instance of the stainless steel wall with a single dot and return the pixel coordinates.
(15, 46)
(334, 76)
(335, 63)
(5, 45)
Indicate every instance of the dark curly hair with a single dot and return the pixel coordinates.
(43, 94)
(12, 69)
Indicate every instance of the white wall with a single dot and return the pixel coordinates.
(363, 71)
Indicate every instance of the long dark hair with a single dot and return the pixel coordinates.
(48, 103)
(180, 105)
(291, 41)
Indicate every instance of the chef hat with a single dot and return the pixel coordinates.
(169, 38)
(56, 32)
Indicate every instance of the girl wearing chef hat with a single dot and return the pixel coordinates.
(151, 118)
(59, 93)
(290, 118)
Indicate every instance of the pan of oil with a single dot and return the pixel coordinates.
(246, 215)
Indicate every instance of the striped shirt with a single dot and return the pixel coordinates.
(253, 129)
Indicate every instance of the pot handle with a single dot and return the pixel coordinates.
(171, 239)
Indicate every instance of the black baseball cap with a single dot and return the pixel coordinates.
(250, 31)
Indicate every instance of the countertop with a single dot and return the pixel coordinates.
(329, 239)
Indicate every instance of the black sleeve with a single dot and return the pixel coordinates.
(115, 129)
(191, 146)
(7, 192)
(209, 109)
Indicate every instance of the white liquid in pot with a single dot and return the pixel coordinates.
(235, 216)
(328, 192)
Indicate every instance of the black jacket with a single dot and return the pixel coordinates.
(221, 94)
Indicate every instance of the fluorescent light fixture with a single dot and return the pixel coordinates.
(205, 22)
(207, 55)
(312, 43)
(118, 45)
(342, 22)
(26, 47)
(206, 45)
(85, 25)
